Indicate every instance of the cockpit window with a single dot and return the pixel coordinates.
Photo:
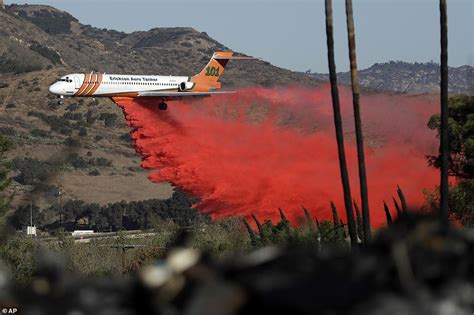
(66, 80)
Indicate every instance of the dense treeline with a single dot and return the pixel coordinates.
(133, 215)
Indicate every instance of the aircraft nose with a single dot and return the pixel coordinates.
(55, 89)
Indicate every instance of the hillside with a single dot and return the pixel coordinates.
(41, 36)
(83, 147)
(412, 78)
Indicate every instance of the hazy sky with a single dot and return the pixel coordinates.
(291, 33)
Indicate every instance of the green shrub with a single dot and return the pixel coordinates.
(72, 107)
(78, 162)
(109, 119)
(71, 142)
(94, 173)
(8, 65)
(72, 116)
(82, 163)
(19, 255)
(46, 52)
(219, 237)
(31, 171)
(5, 131)
(40, 133)
(83, 132)
(90, 118)
(56, 123)
(53, 104)
(125, 137)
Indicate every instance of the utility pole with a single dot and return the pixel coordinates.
(30, 229)
(31, 210)
(123, 247)
(60, 193)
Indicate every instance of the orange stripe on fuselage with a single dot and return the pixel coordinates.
(99, 81)
(91, 85)
(84, 85)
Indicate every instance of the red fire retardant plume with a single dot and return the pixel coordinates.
(264, 149)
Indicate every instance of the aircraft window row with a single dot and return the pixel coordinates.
(138, 83)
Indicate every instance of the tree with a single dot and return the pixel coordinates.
(461, 156)
(22, 216)
(5, 179)
(461, 135)
(31, 171)
(73, 210)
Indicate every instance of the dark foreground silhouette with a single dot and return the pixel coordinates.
(413, 267)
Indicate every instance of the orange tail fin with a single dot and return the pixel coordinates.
(215, 68)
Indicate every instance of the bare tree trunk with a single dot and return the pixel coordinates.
(338, 124)
(444, 145)
(364, 194)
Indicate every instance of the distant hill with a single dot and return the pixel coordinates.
(412, 78)
(36, 37)
(40, 43)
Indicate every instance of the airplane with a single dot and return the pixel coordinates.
(162, 88)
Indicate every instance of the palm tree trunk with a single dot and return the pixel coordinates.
(338, 124)
(444, 146)
(364, 194)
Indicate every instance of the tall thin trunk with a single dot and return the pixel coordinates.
(360, 229)
(335, 218)
(397, 207)
(253, 238)
(402, 199)
(308, 219)
(364, 194)
(318, 225)
(338, 125)
(387, 213)
(259, 225)
(444, 146)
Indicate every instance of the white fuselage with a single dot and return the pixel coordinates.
(98, 84)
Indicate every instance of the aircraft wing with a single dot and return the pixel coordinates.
(182, 94)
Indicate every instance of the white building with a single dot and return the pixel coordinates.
(30, 230)
(82, 232)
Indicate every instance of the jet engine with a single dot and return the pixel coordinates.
(184, 86)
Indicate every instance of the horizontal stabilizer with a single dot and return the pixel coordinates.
(217, 57)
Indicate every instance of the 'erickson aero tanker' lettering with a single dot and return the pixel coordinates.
(159, 89)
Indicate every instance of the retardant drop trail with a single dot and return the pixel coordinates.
(262, 149)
